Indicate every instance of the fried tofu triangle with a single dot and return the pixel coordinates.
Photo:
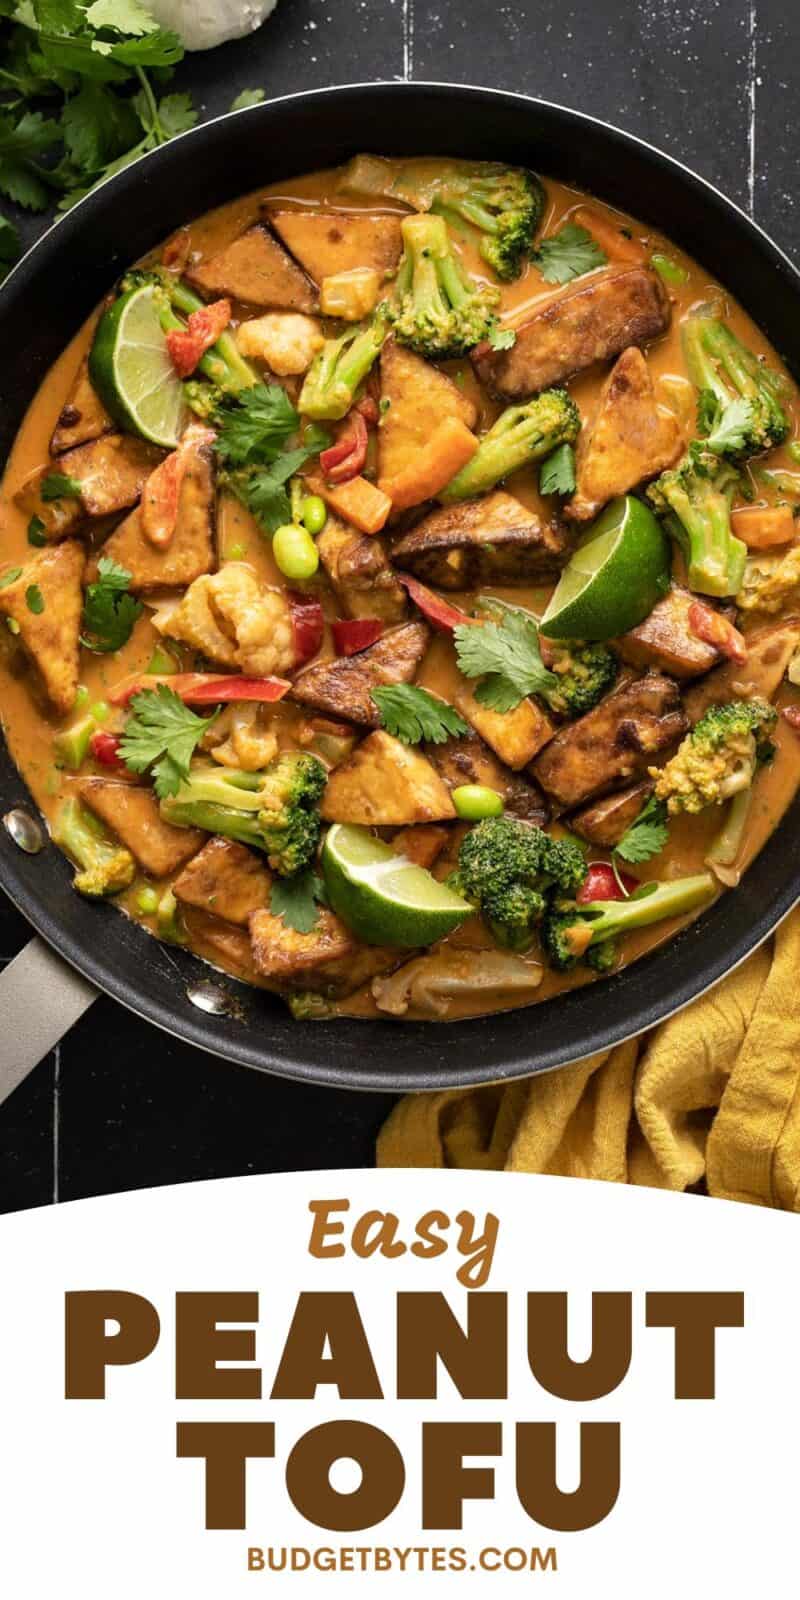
(415, 397)
(342, 688)
(590, 321)
(328, 959)
(256, 270)
(190, 552)
(111, 472)
(46, 602)
(226, 879)
(385, 784)
(131, 812)
(329, 242)
(630, 439)
(475, 542)
(83, 416)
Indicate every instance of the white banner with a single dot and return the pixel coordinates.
(594, 1385)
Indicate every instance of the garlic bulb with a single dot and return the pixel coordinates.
(205, 23)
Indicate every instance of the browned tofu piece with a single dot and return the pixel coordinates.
(515, 736)
(475, 542)
(665, 640)
(386, 784)
(592, 320)
(415, 398)
(256, 270)
(423, 845)
(604, 821)
(769, 651)
(50, 634)
(469, 760)
(327, 242)
(83, 416)
(223, 944)
(111, 471)
(226, 879)
(328, 959)
(360, 573)
(615, 742)
(341, 688)
(191, 550)
(131, 812)
(630, 439)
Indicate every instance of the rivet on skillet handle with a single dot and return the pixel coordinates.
(40, 999)
(26, 832)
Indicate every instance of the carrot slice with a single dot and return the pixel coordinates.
(449, 448)
(357, 501)
(761, 527)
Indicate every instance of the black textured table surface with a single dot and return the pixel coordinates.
(118, 1105)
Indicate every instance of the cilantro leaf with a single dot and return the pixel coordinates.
(34, 599)
(247, 97)
(296, 899)
(502, 338)
(99, 126)
(127, 16)
(57, 486)
(255, 425)
(557, 473)
(412, 714)
(568, 254)
(10, 576)
(161, 735)
(176, 114)
(647, 835)
(109, 611)
(505, 656)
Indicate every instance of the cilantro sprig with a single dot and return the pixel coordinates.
(647, 834)
(296, 900)
(505, 655)
(557, 472)
(568, 254)
(77, 99)
(412, 714)
(254, 428)
(109, 611)
(160, 736)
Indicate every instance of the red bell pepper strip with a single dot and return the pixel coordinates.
(357, 634)
(707, 624)
(438, 612)
(602, 883)
(188, 345)
(203, 688)
(162, 491)
(105, 749)
(308, 624)
(791, 714)
(368, 407)
(345, 459)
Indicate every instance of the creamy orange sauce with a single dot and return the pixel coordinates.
(29, 727)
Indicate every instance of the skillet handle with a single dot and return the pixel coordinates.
(40, 999)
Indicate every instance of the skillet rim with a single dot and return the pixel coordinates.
(417, 1055)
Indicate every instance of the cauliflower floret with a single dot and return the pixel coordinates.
(350, 295)
(285, 340)
(718, 759)
(235, 620)
(238, 738)
(771, 582)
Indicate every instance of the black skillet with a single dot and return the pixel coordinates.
(41, 307)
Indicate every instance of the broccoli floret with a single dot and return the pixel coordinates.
(719, 758)
(771, 581)
(275, 810)
(569, 932)
(308, 1006)
(695, 501)
(507, 868)
(739, 410)
(603, 957)
(521, 434)
(105, 867)
(338, 369)
(169, 923)
(224, 363)
(584, 671)
(437, 309)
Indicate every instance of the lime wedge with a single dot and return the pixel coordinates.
(382, 897)
(130, 367)
(614, 577)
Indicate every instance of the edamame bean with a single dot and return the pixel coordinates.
(295, 552)
(474, 801)
(147, 901)
(101, 710)
(314, 513)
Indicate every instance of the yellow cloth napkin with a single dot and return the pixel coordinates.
(713, 1095)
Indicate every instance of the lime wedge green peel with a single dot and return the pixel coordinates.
(130, 367)
(382, 897)
(617, 573)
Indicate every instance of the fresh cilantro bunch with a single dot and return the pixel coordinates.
(109, 611)
(254, 428)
